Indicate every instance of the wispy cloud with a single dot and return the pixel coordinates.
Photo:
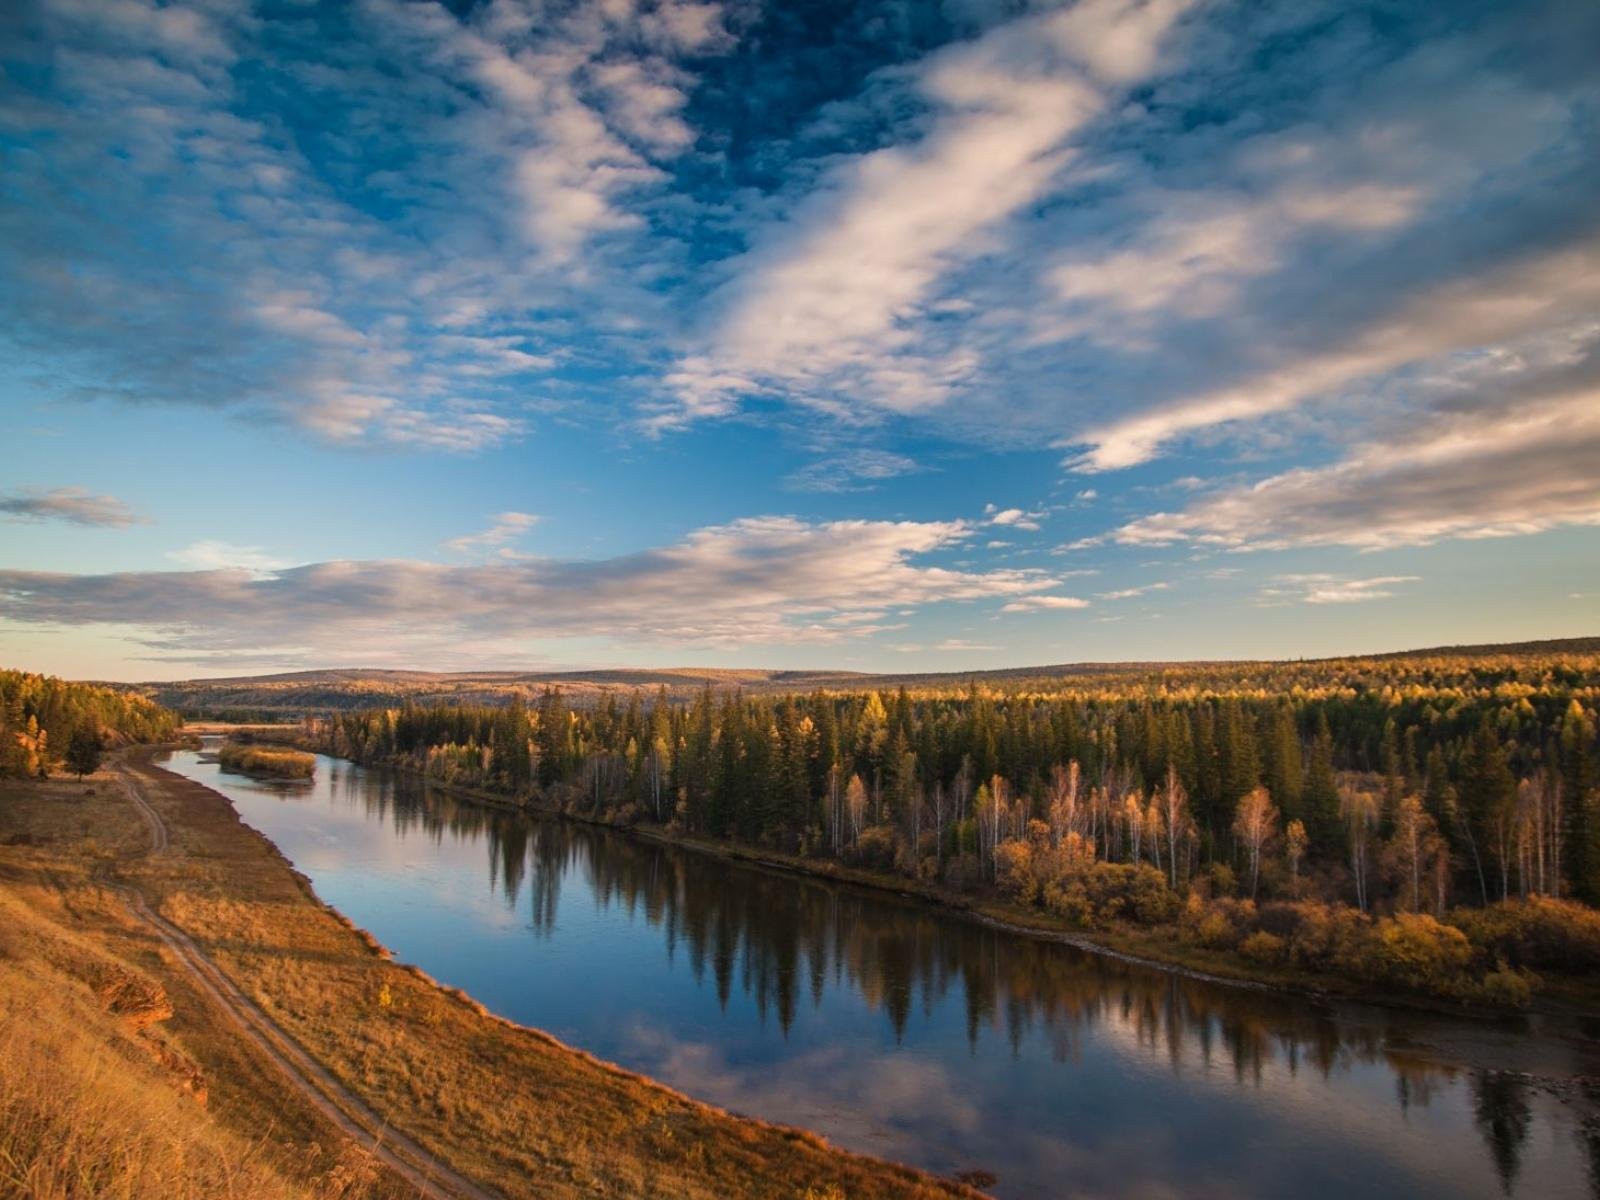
(832, 297)
(1322, 588)
(1130, 593)
(370, 280)
(944, 646)
(852, 471)
(73, 505)
(1044, 604)
(506, 527)
(1505, 458)
(1480, 314)
(764, 580)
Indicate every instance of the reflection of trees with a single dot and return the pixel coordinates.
(1500, 1102)
(781, 940)
(1589, 1135)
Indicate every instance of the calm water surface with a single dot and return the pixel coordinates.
(903, 1032)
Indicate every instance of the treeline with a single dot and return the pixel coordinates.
(1501, 783)
(1192, 810)
(46, 722)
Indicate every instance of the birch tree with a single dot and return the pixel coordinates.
(1254, 824)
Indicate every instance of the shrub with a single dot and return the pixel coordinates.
(1123, 891)
(1068, 900)
(1263, 947)
(1215, 931)
(1505, 986)
(1207, 924)
(1218, 879)
(1281, 918)
(258, 760)
(874, 849)
(1014, 872)
(1414, 951)
(1545, 933)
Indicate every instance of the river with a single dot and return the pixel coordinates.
(899, 1030)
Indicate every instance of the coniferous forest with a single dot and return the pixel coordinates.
(1427, 823)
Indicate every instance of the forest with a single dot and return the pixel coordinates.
(1427, 823)
(46, 723)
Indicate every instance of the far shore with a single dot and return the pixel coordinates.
(1143, 948)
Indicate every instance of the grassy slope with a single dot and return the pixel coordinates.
(119, 1080)
(508, 1106)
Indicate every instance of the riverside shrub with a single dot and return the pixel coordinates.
(1540, 932)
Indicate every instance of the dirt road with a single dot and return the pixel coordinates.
(403, 1156)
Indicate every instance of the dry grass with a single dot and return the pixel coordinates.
(100, 1095)
(508, 1106)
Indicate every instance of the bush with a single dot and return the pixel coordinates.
(1207, 924)
(874, 849)
(1263, 947)
(1415, 951)
(1218, 879)
(1068, 900)
(1014, 873)
(1544, 933)
(1122, 891)
(258, 760)
(1506, 987)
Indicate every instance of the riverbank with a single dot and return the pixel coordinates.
(1158, 946)
(506, 1106)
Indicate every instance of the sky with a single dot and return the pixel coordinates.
(891, 335)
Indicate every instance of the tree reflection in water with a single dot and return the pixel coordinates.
(781, 940)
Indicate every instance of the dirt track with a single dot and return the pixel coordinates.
(319, 1088)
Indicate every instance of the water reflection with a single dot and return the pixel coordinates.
(900, 1030)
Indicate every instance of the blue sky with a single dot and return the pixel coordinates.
(876, 335)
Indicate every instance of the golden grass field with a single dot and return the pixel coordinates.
(124, 1080)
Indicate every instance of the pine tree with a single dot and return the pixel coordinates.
(1486, 792)
(84, 750)
(1320, 798)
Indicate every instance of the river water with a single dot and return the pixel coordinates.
(898, 1030)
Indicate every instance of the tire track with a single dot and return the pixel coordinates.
(350, 1115)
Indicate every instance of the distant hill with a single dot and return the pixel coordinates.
(293, 693)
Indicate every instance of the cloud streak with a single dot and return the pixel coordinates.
(831, 296)
(1493, 471)
(72, 505)
(764, 580)
(1323, 588)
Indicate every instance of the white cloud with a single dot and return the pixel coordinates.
(1016, 518)
(851, 471)
(1322, 588)
(224, 556)
(762, 580)
(947, 645)
(1468, 314)
(1130, 593)
(505, 528)
(1043, 603)
(1195, 254)
(74, 505)
(1491, 471)
(829, 296)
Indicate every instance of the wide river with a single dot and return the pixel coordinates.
(905, 1032)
